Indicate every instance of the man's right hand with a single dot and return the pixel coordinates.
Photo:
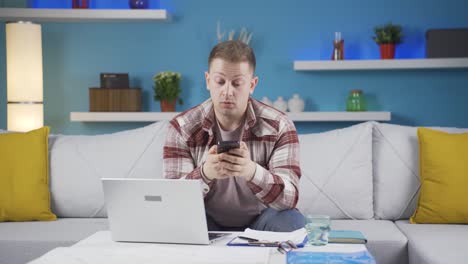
(212, 167)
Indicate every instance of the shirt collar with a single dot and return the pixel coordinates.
(209, 120)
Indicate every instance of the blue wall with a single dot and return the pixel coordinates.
(284, 31)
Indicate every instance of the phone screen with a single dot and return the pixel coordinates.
(225, 146)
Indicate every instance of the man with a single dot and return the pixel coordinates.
(255, 185)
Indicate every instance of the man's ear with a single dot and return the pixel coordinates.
(207, 80)
(253, 84)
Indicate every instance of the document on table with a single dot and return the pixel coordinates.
(268, 237)
(155, 254)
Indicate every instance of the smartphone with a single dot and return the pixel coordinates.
(225, 146)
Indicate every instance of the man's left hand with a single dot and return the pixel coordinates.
(237, 162)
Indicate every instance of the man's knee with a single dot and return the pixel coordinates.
(279, 221)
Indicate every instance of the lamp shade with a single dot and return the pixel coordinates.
(24, 76)
(24, 117)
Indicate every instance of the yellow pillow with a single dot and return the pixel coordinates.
(24, 176)
(443, 168)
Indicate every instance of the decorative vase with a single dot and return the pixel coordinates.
(280, 104)
(138, 4)
(296, 104)
(168, 106)
(267, 101)
(356, 101)
(387, 51)
(80, 4)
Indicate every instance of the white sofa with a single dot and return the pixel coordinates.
(364, 176)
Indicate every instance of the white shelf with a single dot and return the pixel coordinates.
(83, 15)
(396, 64)
(158, 116)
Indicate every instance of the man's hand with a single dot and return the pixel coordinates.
(234, 163)
(237, 163)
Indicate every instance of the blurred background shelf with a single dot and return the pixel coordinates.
(395, 64)
(83, 15)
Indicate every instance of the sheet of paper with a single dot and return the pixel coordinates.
(169, 254)
(296, 236)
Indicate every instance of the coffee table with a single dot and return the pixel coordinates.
(101, 245)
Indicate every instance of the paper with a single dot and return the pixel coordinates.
(296, 236)
(156, 254)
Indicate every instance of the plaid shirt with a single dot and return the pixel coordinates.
(270, 136)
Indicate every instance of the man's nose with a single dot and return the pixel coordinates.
(227, 91)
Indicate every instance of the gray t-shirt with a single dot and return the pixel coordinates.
(231, 203)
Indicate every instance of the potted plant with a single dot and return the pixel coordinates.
(167, 90)
(387, 37)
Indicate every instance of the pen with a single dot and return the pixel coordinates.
(263, 243)
(249, 239)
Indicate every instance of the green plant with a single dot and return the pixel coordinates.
(167, 86)
(388, 34)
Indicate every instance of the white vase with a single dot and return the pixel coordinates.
(296, 104)
(267, 101)
(281, 104)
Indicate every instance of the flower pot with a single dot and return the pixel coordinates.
(168, 106)
(387, 51)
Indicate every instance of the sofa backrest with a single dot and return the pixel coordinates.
(77, 164)
(337, 173)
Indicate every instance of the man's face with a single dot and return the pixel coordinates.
(230, 85)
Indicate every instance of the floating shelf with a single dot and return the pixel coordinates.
(158, 116)
(83, 15)
(396, 64)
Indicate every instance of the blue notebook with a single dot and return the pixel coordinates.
(308, 257)
(346, 236)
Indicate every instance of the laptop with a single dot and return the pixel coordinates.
(157, 210)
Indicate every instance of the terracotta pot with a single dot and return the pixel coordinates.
(387, 51)
(168, 106)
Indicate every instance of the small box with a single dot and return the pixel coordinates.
(447, 43)
(114, 100)
(114, 80)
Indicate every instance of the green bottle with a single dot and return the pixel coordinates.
(356, 101)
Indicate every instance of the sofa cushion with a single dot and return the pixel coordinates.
(21, 242)
(444, 178)
(384, 241)
(24, 176)
(77, 164)
(435, 243)
(396, 169)
(337, 173)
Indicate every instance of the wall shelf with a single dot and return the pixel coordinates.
(158, 116)
(396, 64)
(83, 15)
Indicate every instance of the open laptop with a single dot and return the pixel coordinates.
(157, 210)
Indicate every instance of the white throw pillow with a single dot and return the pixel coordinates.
(77, 164)
(396, 169)
(337, 173)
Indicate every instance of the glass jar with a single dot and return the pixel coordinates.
(356, 101)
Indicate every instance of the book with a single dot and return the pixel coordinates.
(346, 236)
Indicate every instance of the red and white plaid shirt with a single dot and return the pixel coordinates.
(270, 136)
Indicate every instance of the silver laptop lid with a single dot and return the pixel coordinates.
(156, 210)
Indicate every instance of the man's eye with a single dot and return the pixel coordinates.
(221, 82)
(237, 84)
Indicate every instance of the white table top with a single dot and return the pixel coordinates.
(102, 241)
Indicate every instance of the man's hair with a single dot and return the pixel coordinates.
(233, 51)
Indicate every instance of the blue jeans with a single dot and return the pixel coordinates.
(269, 220)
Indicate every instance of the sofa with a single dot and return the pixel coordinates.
(364, 176)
